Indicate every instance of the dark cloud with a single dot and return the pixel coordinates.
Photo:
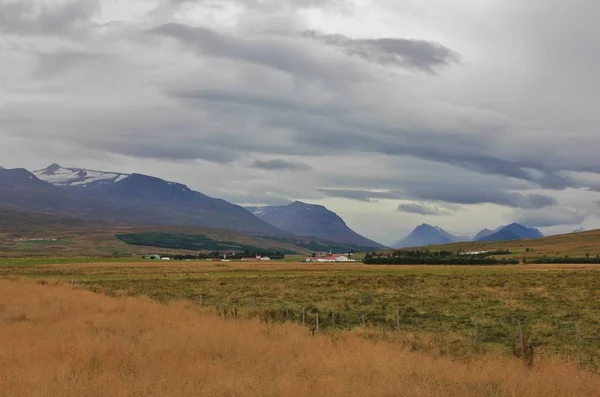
(27, 17)
(417, 54)
(280, 165)
(549, 217)
(421, 209)
(283, 54)
(359, 195)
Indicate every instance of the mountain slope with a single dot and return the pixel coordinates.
(304, 219)
(484, 233)
(425, 235)
(60, 176)
(135, 199)
(514, 231)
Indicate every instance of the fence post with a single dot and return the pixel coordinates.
(333, 320)
(578, 334)
(317, 322)
(521, 341)
(287, 314)
(303, 316)
(437, 327)
(362, 317)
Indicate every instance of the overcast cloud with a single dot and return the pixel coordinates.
(360, 106)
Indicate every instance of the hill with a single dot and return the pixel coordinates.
(513, 231)
(304, 219)
(424, 235)
(32, 234)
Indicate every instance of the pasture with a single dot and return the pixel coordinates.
(60, 341)
(458, 311)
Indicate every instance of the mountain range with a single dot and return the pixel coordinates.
(136, 199)
(514, 231)
(424, 235)
(311, 220)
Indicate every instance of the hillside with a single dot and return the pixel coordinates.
(304, 219)
(572, 245)
(30, 234)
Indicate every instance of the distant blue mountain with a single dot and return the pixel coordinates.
(484, 233)
(514, 231)
(425, 235)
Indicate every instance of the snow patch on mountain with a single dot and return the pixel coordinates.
(64, 176)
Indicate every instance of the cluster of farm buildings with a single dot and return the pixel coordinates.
(330, 258)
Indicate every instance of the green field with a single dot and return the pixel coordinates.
(468, 309)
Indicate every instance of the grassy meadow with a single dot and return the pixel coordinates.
(468, 311)
(59, 340)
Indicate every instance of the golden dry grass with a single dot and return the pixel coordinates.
(57, 341)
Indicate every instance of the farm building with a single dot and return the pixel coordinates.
(257, 258)
(331, 258)
(154, 257)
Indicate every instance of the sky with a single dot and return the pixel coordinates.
(463, 114)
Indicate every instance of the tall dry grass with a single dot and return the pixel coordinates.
(56, 341)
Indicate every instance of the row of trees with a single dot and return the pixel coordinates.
(427, 257)
(438, 260)
(566, 260)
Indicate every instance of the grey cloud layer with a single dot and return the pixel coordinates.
(420, 209)
(280, 165)
(549, 217)
(450, 194)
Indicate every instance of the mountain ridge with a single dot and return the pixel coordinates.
(126, 202)
(303, 219)
(80, 177)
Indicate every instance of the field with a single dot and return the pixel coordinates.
(61, 341)
(467, 311)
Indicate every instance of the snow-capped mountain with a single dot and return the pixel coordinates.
(126, 199)
(79, 177)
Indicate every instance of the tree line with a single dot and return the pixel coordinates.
(427, 257)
